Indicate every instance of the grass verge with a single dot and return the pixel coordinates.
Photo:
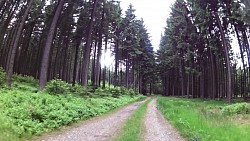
(133, 129)
(204, 120)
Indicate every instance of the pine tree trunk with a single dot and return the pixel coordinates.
(15, 46)
(86, 54)
(47, 48)
(243, 83)
(93, 66)
(202, 80)
(213, 90)
(105, 67)
(116, 62)
(227, 59)
(127, 72)
(4, 26)
(110, 77)
(78, 42)
(99, 53)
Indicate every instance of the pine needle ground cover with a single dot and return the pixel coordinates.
(25, 112)
(207, 120)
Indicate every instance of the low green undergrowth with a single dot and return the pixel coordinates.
(237, 108)
(25, 112)
(7, 129)
(133, 129)
(35, 113)
(59, 87)
(207, 120)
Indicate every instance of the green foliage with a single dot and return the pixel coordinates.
(237, 108)
(57, 86)
(2, 77)
(7, 130)
(116, 92)
(25, 79)
(99, 92)
(27, 112)
(202, 120)
(131, 92)
(123, 90)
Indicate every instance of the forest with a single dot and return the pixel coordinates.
(58, 50)
(198, 53)
(66, 39)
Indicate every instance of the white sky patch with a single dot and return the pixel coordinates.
(107, 59)
(154, 14)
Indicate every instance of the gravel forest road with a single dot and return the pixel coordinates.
(156, 127)
(105, 128)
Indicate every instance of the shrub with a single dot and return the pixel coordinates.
(76, 89)
(238, 108)
(57, 86)
(123, 90)
(131, 92)
(116, 92)
(101, 92)
(24, 78)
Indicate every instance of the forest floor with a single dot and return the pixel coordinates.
(106, 127)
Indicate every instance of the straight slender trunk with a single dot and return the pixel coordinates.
(243, 83)
(127, 72)
(5, 51)
(86, 53)
(182, 73)
(105, 67)
(121, 77)
(213, 90)
(15, 46)
(140, 82)
(110, 76)
(116, 62)
(99, 53)
(228, 66)
(202, 93)
(93, 66)
(65, 57)
(45, 59)
(78, 42)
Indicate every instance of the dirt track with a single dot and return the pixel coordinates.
(157, 128)
(104, 128)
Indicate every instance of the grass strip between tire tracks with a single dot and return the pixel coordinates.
(134, 128)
